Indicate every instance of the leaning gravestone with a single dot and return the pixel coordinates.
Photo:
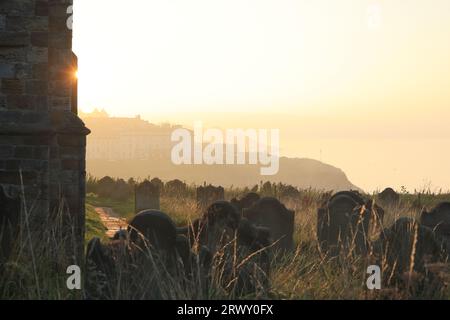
(438, 220)
(208, 195)
(247, 201)
(9, 223)
(273, 215)
(407, 246)
(222, 225)
(389, 197)
(147, 196)
(343, 223)
(156, 227)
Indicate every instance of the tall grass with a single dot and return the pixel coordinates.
(43, 247)
(139, 272)
(305, 273)
(37, 266)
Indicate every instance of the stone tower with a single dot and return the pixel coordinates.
(42, 140)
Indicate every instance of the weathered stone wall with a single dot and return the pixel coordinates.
(42, 142)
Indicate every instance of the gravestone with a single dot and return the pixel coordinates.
(159, 183)
(273, 215)
(343, 223)
(389, 197)
(105, 187)
(246, 201)
(438, 220)
(147, 196)
(122, 191)
(289, 192)
(207, 195)
(218, 224)
(175, 188)
(231, 239)
(407, 246)
(376, 212)
(156, 227)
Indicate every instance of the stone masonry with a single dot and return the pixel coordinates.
(42, 140)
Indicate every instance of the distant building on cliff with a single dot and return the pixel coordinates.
(117, 138)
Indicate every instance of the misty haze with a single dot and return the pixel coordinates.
(262, 150)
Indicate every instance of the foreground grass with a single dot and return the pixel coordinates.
(304, 273)
(36, 268)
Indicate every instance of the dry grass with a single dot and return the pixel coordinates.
(306, 273)
(141, 273)
(39, 259)
(37, 268)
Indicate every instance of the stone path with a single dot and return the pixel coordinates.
(111, 221)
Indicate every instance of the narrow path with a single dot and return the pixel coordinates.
(111, 221)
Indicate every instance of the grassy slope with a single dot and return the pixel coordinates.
(124, 208)
(94, 226)
(181, 210)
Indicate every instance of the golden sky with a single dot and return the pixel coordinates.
(361, 84)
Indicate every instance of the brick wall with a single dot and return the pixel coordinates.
(40, 136)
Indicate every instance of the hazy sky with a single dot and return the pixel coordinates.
(360, 84)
